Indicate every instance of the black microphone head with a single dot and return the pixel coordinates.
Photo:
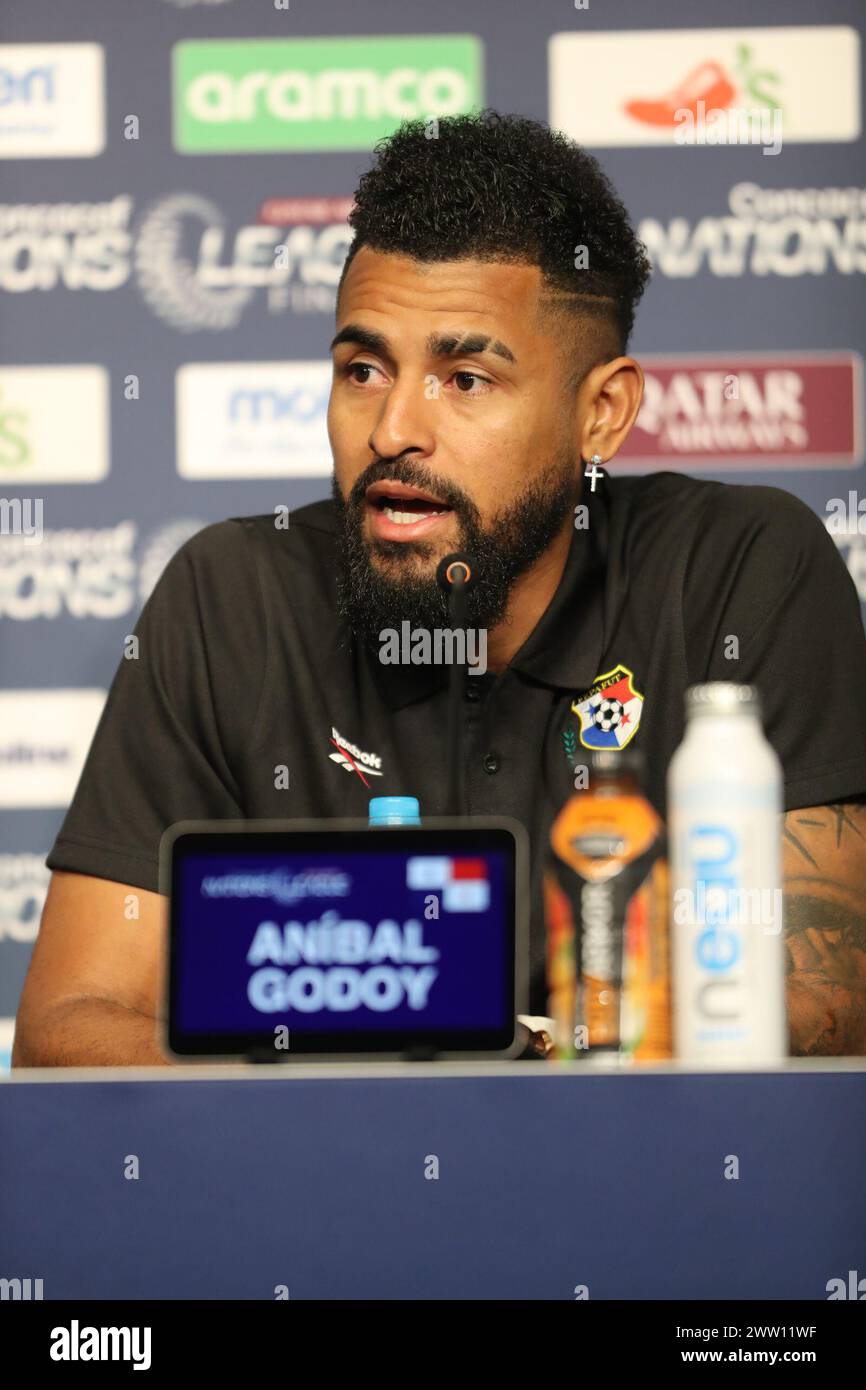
(457, 571)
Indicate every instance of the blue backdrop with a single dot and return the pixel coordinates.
(172, 225)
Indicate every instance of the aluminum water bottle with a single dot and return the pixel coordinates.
(725, 803)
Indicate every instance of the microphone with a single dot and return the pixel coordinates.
(456, 574)
(454, 568)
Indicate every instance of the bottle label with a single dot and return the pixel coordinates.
(727, 919)
(606, 907)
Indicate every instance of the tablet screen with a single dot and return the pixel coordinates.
(326, 941)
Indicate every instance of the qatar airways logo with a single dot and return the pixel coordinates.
(741, 411)
(279, 885)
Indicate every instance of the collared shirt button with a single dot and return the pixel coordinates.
(492, 763)
(472, 692)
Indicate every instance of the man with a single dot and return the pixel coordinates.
(479, 368)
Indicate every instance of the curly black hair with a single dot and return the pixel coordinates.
(504, 188)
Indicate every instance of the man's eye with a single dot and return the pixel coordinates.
(464, 382)
(359, 367)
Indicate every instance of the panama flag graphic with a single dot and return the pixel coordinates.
(462, 881)
(610, 710)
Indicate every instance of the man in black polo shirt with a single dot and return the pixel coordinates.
(479, 375)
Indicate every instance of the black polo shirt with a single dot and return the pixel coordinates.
(244, 669)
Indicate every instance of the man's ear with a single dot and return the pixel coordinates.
(609, 399)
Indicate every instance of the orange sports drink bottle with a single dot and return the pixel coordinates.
(606, 910)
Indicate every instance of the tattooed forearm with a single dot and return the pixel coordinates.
(824, 856)
(826, 953)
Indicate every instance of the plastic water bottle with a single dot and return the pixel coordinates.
(394, 810)
(724, 814)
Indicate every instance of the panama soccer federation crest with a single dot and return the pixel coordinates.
(609, 710)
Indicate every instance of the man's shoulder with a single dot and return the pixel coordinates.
(742, 555)
(308, 532)
(307, 524)
(669, 514)
(250, 565)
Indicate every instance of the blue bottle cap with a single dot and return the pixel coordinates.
(395, 810)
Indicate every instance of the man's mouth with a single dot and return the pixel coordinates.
(400, 512)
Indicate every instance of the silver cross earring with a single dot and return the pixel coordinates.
(592, 472)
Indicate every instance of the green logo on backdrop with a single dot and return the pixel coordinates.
(14, 441)
(317, 94)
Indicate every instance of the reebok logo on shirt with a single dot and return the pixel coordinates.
(353, 759)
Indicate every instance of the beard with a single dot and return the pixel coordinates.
(372, 597)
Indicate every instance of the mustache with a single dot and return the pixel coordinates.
(413, 475)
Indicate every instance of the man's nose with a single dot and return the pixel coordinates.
(406, 419)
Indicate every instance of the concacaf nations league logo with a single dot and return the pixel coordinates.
(609, 710)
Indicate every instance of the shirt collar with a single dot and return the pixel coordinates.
(565, 646)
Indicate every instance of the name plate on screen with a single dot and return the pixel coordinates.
(301, 938)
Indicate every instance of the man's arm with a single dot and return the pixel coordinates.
(824, 870)
(93, 993)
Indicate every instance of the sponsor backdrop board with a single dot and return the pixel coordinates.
(161, 369)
